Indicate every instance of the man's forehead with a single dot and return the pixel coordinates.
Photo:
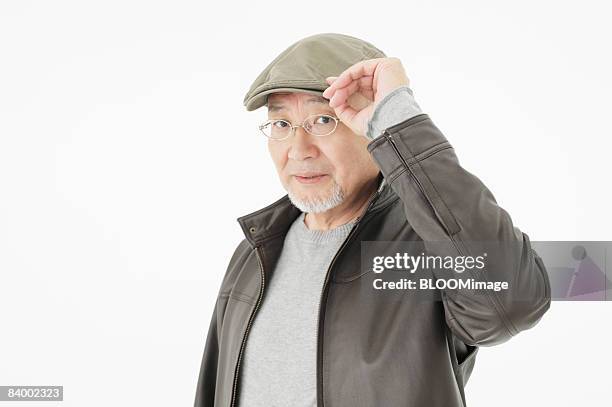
(279, 100)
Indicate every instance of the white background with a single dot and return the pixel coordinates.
(126, 156)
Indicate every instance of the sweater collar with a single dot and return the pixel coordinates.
(275, 219)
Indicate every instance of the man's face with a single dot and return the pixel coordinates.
(340, 161)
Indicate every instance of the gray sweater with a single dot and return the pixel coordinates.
(279, 361)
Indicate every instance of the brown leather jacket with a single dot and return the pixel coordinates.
(415, 353)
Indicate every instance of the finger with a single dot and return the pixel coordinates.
(345, 112)
(354, 72)
(341, 95)
(363, 86)
(366, 87)
(365, 83)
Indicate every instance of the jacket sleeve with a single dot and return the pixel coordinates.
(207, 379)
(443, 202)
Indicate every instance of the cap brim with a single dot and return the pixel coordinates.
(261, 99)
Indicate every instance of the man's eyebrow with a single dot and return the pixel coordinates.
(276, 107)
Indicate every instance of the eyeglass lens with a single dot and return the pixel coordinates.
(319, 125)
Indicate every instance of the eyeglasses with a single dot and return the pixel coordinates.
(317, 124)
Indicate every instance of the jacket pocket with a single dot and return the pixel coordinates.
(466, 365)
(472, 350)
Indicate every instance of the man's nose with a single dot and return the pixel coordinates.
(302, 145)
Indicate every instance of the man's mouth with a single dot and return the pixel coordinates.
(309, 178)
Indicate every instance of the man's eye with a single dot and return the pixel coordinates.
(280, 124)
(323, 120)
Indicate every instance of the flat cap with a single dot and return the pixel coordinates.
(304, 66)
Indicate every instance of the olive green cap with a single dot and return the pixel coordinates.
(304, 66)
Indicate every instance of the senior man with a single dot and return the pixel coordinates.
(293, 323)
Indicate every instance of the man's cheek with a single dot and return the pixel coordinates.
(279, 161)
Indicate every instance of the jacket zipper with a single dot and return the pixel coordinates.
(323, 297)
(246, 332)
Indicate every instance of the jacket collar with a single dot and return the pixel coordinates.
(275, 219)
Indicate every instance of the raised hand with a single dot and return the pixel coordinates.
(355, 93)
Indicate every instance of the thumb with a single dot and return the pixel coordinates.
(331, 79)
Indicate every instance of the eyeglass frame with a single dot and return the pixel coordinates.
(292, 131)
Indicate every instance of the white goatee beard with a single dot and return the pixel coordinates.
(317, 205)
